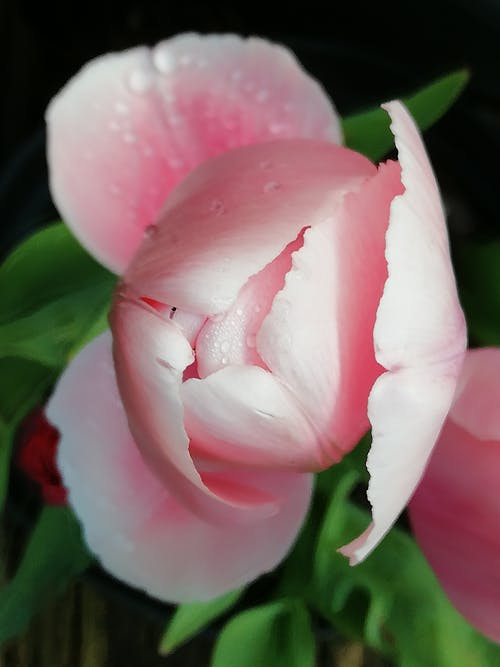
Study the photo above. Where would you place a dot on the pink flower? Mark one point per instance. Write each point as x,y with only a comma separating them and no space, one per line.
455,512
285,295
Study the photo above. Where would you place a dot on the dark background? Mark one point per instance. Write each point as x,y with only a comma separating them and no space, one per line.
362,53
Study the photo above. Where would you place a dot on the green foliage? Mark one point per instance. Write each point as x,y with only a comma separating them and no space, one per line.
55,554
368,132
478,271
53,299
22,385
189,619
274,635
391,601
52,294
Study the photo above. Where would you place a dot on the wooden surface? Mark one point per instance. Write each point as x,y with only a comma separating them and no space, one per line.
89,627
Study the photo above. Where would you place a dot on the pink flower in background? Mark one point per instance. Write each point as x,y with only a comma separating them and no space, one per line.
285,295
455,512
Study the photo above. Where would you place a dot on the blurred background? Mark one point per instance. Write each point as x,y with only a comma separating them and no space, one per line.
362,54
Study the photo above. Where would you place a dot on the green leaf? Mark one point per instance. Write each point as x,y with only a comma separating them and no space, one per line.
478,272
189,619
368,132
52,294
392,601
22,385
273,635
55,554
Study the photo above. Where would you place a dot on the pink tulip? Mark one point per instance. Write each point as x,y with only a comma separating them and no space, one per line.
455,512
281,298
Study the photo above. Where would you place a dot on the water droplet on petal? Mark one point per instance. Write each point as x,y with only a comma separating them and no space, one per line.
175,163
239,312
140,81
251,340
223,361
262,96
224,347
121,108
163,59
217,206
150,231
272,186
278,128
129,138
265,164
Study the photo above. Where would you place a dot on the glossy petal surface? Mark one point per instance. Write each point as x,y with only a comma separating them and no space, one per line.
138,530
419,338
455,511
131,125
317,337
235,214
151,355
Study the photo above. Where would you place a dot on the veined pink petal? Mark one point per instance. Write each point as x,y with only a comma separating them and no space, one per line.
139,531
244,415
235,214
317,337
419,338
151,355
131,125
455,511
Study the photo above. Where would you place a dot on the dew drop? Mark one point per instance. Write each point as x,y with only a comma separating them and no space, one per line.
223,361
129,138
262,96
272,186
251,340
163,59
140,81
217,206
150,231
277,128
175,163
121,108
224,347
239,312
265,164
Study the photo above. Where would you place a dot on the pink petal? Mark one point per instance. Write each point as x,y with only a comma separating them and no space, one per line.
317,337
131,125
235,214
455,511
230,338
419,338
138,530
477,400
151,355
243,415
